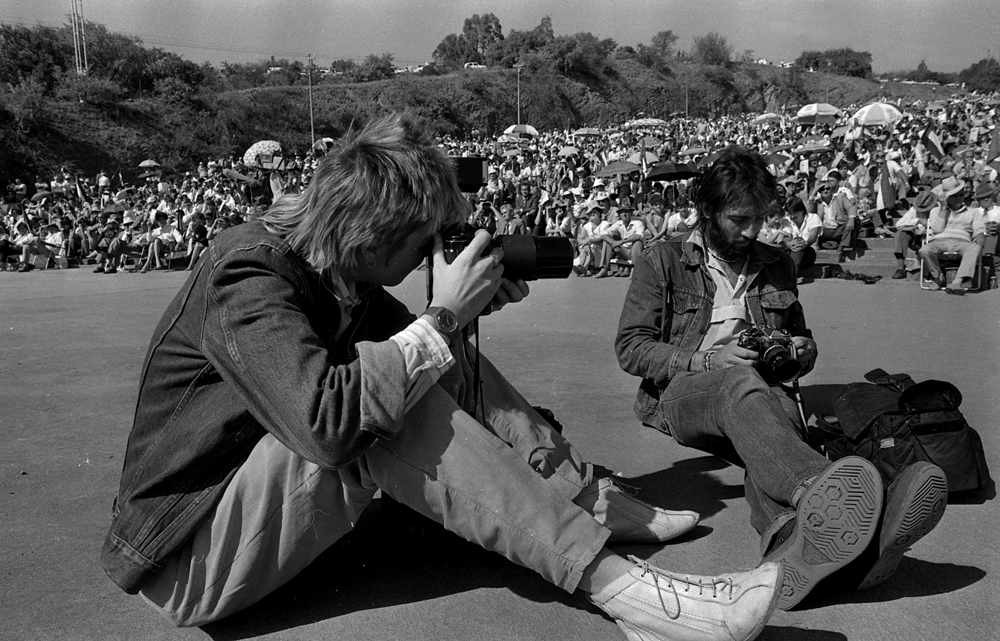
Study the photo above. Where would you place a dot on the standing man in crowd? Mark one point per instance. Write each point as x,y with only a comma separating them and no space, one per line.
689,301
285,386
956,227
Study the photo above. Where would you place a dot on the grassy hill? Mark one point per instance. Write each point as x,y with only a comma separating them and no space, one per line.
89,135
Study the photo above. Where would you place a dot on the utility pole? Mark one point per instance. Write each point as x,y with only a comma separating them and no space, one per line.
79,37
312,128
518,67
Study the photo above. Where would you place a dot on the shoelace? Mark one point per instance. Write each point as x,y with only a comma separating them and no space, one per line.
657,574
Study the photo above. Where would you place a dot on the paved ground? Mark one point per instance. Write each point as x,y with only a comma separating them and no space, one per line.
71,345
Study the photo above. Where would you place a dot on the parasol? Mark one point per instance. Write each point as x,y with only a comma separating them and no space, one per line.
521,130
877,114
252,156
146,164
667,171
617,168
817,112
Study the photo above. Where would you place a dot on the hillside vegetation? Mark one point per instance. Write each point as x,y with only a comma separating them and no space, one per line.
87,131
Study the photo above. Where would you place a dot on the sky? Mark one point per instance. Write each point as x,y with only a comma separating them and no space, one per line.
948,34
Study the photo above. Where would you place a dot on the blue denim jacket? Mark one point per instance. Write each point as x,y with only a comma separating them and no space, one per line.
668,309
247,347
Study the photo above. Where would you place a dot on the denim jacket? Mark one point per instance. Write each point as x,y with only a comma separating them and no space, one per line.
248,347
668,310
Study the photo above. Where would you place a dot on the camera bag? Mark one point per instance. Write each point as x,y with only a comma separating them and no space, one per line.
893,422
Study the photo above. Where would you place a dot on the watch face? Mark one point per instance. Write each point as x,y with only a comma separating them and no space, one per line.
447,320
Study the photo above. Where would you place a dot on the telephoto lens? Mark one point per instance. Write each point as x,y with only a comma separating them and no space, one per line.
524,257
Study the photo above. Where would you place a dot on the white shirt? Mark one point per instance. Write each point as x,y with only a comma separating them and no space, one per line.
809,223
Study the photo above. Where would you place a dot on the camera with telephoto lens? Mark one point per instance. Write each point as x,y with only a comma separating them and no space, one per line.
777,353
524,257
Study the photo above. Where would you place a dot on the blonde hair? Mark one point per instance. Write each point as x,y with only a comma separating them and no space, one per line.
373,188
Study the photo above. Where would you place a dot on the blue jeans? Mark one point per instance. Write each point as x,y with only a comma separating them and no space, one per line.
506,484
733,414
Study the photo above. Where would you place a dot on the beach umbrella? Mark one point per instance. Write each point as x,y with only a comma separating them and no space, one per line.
708,160
521,130
568,151
266,148
691,151
617,168
146,164
148,174
877,114
587,132
765,118
817,112
638,156
776,159
645,122
668,171
812,147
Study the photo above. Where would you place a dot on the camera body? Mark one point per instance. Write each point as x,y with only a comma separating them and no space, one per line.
524,257
777,353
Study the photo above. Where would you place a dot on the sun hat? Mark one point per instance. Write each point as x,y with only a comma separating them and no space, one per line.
985,190
925,201
952,185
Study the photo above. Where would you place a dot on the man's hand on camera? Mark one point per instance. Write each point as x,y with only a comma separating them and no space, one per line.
511,291
471,281
732,354
806,353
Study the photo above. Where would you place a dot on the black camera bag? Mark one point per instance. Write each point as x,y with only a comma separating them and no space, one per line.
893,422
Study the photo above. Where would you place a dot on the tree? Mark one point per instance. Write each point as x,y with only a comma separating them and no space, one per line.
843,62
712,49
481,34
663,42
452,51
375,68
982,76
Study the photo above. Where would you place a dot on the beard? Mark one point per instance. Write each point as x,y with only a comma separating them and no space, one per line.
725,249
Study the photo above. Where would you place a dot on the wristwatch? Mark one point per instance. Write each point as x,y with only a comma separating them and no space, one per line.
445,321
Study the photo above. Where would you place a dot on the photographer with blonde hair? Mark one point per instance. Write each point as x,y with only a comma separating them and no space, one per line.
284,387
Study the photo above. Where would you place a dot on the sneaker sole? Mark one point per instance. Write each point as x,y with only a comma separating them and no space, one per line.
908,518
835,521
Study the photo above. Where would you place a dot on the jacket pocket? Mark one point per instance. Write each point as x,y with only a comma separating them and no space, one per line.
683,308
776,305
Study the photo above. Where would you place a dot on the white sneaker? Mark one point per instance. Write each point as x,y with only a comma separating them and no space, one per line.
650,604
629,519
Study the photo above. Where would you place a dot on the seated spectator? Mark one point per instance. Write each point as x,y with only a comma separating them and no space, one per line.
911,229
197,238
986,197
623,240
47,243
837,207
655,221
777,229
802,245
954,228
164,239
588,242
7,249
508,222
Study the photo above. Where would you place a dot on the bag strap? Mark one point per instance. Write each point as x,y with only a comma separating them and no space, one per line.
897,382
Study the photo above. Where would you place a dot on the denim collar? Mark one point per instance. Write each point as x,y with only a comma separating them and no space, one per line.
693,252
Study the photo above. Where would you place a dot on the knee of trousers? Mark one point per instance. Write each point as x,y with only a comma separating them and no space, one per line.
741,379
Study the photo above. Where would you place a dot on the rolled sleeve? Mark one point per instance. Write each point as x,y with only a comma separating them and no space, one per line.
427,357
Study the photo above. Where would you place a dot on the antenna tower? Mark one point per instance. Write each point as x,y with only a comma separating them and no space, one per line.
79,37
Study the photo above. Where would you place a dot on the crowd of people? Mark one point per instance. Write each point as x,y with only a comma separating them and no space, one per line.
928,178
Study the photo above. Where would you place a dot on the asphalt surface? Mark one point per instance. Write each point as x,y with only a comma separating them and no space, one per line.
72,343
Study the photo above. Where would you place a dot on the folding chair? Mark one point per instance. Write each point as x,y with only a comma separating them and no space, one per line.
949,261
